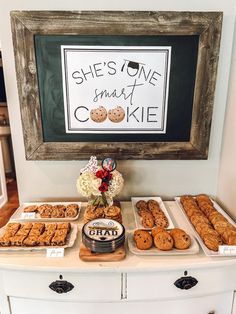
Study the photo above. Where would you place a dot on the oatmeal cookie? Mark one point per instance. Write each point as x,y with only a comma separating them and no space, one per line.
30,209
227,234
93,212
212,242
45,210
71,210
58,213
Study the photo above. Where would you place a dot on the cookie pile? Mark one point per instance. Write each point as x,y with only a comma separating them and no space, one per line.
109,212
162,239
213,228
35,234
151,214
54,211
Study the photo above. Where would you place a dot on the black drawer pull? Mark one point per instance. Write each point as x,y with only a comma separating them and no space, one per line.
186,283
61,286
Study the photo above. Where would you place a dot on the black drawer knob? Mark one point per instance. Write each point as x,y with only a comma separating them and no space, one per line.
61,286
186,283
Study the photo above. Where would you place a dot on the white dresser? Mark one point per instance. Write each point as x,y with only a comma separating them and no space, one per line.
138,284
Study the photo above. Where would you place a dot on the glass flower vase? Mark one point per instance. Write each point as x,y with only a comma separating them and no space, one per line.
100,200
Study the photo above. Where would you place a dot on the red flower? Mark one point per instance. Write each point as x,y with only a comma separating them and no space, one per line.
100,174
108,176
104,175
103,187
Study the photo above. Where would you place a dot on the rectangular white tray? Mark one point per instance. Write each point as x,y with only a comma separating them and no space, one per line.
193,249
17,214
134,200
69,242
205,249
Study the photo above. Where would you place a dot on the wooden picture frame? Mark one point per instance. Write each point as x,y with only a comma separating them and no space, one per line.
27,24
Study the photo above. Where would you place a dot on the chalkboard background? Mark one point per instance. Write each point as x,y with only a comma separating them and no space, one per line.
181,86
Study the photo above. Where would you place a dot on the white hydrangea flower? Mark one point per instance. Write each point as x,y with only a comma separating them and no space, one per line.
116,184
88,184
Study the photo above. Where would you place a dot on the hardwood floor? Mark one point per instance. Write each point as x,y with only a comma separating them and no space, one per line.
13,202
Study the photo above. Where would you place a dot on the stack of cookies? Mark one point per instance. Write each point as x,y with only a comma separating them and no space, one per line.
109,212
93,212
113,212
151,214
54,211
162,239
35,234
213,228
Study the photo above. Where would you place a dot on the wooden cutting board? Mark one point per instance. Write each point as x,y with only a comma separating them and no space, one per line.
86,255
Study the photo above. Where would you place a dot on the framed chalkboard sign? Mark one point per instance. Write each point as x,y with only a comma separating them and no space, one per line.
134,85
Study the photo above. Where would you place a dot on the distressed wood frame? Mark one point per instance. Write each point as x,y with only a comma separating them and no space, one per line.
26,24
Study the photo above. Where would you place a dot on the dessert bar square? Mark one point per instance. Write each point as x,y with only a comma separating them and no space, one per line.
35,232
22,231
58,240
61,232
27,226
17,240
51,227
5,240
38,225
13,226
64,225
45,239
31,241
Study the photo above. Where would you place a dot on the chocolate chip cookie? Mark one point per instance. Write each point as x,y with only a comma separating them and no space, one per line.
116,115
98,114
143,240
163,241
182,240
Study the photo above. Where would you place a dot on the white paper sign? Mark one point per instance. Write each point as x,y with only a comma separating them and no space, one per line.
227,250
55,252
115,89
28,215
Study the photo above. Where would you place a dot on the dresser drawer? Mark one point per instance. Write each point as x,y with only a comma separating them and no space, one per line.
86,287
161,285
218,304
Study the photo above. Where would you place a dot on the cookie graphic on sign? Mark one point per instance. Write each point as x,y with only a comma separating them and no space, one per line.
98,114
116,115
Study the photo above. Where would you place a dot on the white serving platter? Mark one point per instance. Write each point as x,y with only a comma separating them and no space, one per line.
204,247
138,222
18,214
153,251
70,240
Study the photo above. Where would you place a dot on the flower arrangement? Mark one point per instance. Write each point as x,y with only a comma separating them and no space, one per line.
100,183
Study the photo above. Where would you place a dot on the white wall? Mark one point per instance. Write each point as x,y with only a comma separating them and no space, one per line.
226,191
53,180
